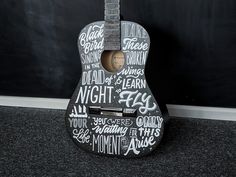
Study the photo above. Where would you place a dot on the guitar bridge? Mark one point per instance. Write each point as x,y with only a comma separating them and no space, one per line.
111,111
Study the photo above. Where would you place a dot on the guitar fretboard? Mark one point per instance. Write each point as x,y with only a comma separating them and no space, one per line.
112,25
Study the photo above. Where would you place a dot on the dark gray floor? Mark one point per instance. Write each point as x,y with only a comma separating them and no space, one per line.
34,142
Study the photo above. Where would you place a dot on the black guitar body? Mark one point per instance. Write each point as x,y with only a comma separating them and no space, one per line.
114,113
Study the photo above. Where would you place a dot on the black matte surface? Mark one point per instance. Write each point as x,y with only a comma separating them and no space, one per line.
34,142
192,56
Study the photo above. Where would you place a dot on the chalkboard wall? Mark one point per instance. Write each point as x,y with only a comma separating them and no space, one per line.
192,59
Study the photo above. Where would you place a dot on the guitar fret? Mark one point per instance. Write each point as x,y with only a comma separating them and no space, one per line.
112,18
115,26
112,1
112,6
112,11
112,36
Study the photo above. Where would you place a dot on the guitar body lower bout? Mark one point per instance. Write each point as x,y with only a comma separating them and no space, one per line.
114,113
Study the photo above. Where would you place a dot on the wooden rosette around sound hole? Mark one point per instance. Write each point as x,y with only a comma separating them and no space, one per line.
113,61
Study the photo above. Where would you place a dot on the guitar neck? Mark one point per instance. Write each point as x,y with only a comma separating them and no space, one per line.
112,25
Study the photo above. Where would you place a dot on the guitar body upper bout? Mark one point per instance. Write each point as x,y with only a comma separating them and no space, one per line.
112,111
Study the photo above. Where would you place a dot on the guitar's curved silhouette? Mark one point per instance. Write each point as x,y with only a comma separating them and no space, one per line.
112,110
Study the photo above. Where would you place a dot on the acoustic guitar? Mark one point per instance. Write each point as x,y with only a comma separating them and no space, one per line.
112,111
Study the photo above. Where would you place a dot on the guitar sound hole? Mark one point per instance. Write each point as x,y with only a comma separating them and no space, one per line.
113,61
